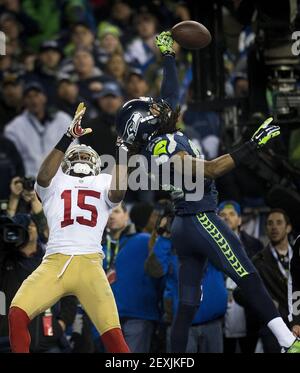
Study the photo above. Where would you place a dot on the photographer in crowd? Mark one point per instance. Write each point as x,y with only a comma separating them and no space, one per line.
137,294
205,334
24,199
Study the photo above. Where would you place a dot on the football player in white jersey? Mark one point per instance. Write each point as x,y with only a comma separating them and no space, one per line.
77,200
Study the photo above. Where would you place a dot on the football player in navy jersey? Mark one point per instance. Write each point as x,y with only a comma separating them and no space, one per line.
148,126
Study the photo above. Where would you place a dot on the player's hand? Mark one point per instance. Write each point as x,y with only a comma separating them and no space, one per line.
265,133
122,152
75,130
120,144
164,43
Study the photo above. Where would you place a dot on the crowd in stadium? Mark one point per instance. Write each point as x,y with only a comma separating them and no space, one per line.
63,52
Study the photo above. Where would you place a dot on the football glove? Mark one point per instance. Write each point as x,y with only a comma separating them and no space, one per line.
75,130
265,133
164,43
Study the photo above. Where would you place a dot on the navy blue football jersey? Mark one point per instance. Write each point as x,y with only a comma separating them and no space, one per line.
161,149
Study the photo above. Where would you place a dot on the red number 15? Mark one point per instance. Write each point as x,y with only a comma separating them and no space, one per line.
67,195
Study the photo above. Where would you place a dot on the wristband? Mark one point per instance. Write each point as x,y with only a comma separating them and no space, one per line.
64,143
244,152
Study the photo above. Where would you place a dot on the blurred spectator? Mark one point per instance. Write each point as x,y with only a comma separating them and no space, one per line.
122,16
136,293
117,68
6,63
26,25
11,98
36,123
47,15
16,264
108,101
54,16
24,199
11,164
230,211
240,330
88,77
47,67
240,85
136,85
68,95
141,52
207,125
12,29
81,37
205,334
144,217
273,265
109,43
28,60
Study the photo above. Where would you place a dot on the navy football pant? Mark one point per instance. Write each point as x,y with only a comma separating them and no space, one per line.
202,237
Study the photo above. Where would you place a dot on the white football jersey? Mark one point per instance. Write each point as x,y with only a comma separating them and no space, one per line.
77,211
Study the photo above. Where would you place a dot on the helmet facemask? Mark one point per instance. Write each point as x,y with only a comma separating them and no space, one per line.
159,114
81,160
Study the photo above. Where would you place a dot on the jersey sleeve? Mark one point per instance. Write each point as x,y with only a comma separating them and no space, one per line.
45,193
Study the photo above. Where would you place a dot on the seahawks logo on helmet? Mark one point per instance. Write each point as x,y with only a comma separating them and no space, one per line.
131,127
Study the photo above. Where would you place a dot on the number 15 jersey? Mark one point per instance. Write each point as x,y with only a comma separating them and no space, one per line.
77,211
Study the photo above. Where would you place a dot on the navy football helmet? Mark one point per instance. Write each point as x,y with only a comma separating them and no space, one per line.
140,118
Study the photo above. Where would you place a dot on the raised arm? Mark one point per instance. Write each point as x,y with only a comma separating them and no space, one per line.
221,165
53,160
118,185
170,86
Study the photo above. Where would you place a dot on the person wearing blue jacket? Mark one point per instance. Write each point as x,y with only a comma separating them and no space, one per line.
205,334
137,294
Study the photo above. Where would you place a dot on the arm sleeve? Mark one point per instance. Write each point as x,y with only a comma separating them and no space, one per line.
170,87
45,193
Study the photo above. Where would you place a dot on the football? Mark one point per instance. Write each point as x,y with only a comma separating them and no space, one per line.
191,35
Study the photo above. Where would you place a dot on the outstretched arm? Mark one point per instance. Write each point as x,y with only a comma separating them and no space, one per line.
170,86
118,185
212,169
221,165
53,161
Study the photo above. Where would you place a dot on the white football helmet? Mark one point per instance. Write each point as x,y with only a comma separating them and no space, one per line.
81,159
